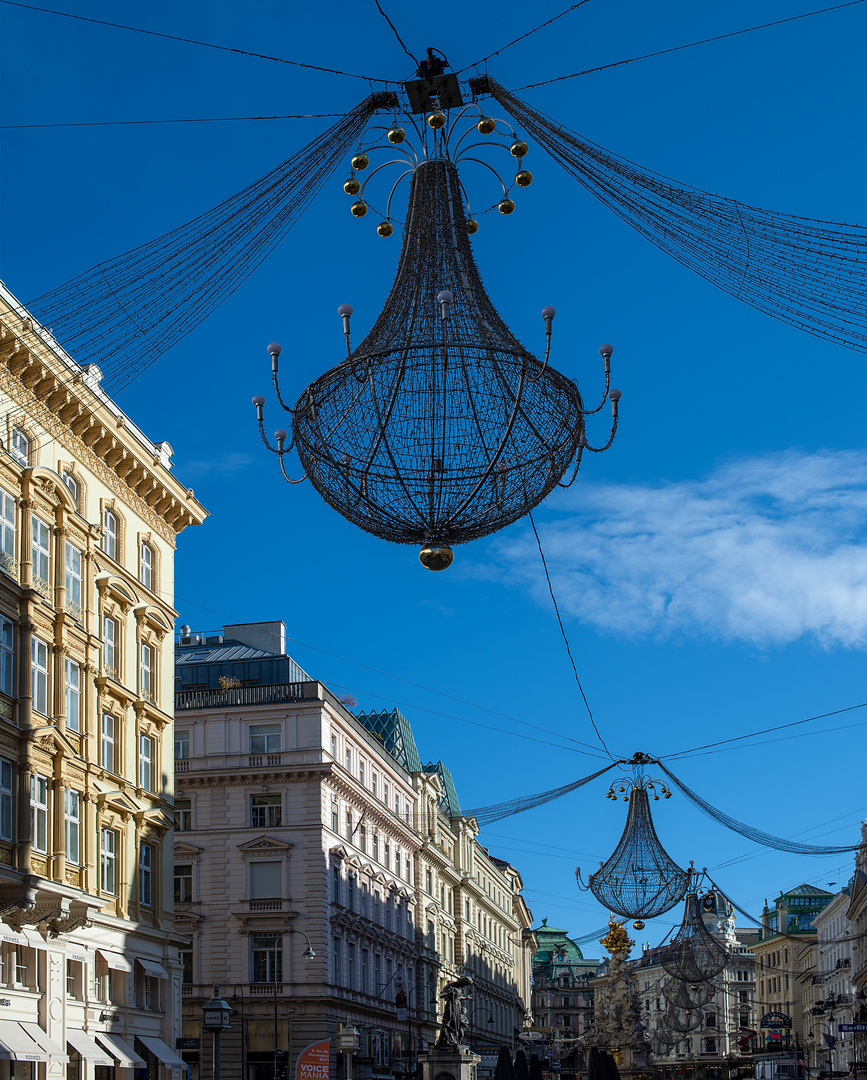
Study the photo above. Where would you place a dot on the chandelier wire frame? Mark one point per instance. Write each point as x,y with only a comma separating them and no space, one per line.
693,955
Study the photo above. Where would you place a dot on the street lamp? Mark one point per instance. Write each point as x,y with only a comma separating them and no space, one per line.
215,1018
308,954
235,991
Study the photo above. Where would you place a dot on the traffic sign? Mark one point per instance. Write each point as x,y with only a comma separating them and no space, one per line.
555,1065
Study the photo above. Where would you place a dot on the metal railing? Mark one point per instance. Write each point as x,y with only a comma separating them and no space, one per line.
268,694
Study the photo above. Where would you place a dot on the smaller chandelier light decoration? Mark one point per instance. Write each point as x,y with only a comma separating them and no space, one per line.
440,427
639,880
694,955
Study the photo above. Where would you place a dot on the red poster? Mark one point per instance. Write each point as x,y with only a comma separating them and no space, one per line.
314,1062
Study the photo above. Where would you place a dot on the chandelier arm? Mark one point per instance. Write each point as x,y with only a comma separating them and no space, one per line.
533,378
286,475
467,108
467,197
395,149
286,407
418,132
602,449
578,454
499,449
264,437
472,146
493,170
590,412
379,168
469,131
394,188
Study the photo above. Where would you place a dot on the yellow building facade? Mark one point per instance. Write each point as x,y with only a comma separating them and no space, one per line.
89,516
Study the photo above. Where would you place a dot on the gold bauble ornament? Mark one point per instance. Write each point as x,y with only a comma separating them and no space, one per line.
436,555
359,209
487,125
523,178
360,161
505,206
396,135
385,228
352,186
472,226
518,148
638,924
436,120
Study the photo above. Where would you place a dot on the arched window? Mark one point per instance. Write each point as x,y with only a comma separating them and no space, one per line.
146,565
20,446
110,533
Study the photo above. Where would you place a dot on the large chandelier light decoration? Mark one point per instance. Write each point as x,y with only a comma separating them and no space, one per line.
639,880
440,427
694,955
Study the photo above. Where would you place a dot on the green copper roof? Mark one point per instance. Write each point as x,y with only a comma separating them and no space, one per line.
393,730
449,802
556,948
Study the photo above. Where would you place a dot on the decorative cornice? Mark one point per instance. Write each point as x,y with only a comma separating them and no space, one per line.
249,777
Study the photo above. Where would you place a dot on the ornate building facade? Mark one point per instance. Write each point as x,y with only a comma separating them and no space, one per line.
89,516
303,828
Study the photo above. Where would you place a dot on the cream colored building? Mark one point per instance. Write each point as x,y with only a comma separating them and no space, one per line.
302,827
89,516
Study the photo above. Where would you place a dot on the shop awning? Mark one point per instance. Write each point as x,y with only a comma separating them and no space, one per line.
115,961
88,1049
34,939
78,957
54,1051
161,1051
15,936
126,1057
151,967
16,1044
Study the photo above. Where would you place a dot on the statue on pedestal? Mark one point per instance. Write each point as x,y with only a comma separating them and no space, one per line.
454,1023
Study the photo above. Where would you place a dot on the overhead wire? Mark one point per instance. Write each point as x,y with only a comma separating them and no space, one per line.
194,41
529,33
565,638
396,34
689,45
763,731
181,120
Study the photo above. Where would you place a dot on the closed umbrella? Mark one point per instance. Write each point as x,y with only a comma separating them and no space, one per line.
521,1069
535,1067
505,1070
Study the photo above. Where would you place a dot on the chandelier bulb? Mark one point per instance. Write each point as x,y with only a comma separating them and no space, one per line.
259,403
548,314
445,298
274,349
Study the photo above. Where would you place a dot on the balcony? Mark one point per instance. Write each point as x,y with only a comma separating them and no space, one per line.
270,694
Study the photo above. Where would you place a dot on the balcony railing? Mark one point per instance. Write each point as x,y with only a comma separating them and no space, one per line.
269,694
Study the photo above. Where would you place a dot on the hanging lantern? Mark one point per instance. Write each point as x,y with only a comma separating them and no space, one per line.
440,427
681,1020
688,996
639,880
694,954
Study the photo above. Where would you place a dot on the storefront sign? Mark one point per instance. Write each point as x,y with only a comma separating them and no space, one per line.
314,1062
183,1043
776,1020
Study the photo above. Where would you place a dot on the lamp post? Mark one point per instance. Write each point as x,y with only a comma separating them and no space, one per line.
238,987
215,1018
308,954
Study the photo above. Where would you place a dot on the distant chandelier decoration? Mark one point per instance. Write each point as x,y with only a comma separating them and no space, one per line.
440,427
639,880
694,955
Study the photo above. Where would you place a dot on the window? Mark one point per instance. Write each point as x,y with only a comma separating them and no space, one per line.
145,875
109,646
335,818
266,880
348,824
337,971
362,838
361,772
73,582
146,671
183,883
182,745
428,883
351,951
72,693
108,860
265,739
335,884
267,958
107,743
710,1020
364,963
73,486
183,815
75,979
186,958
39,675
373,782
5,799
110,531
72,821
41,555
7,655
744,996
266,811
334,746
39,813
376,846
146,566
8,519
349,761
20,448
385,792
145,762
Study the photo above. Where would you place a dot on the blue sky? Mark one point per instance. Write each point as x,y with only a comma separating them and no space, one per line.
711,567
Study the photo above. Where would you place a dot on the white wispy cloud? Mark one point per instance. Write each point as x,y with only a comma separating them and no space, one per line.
764,550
